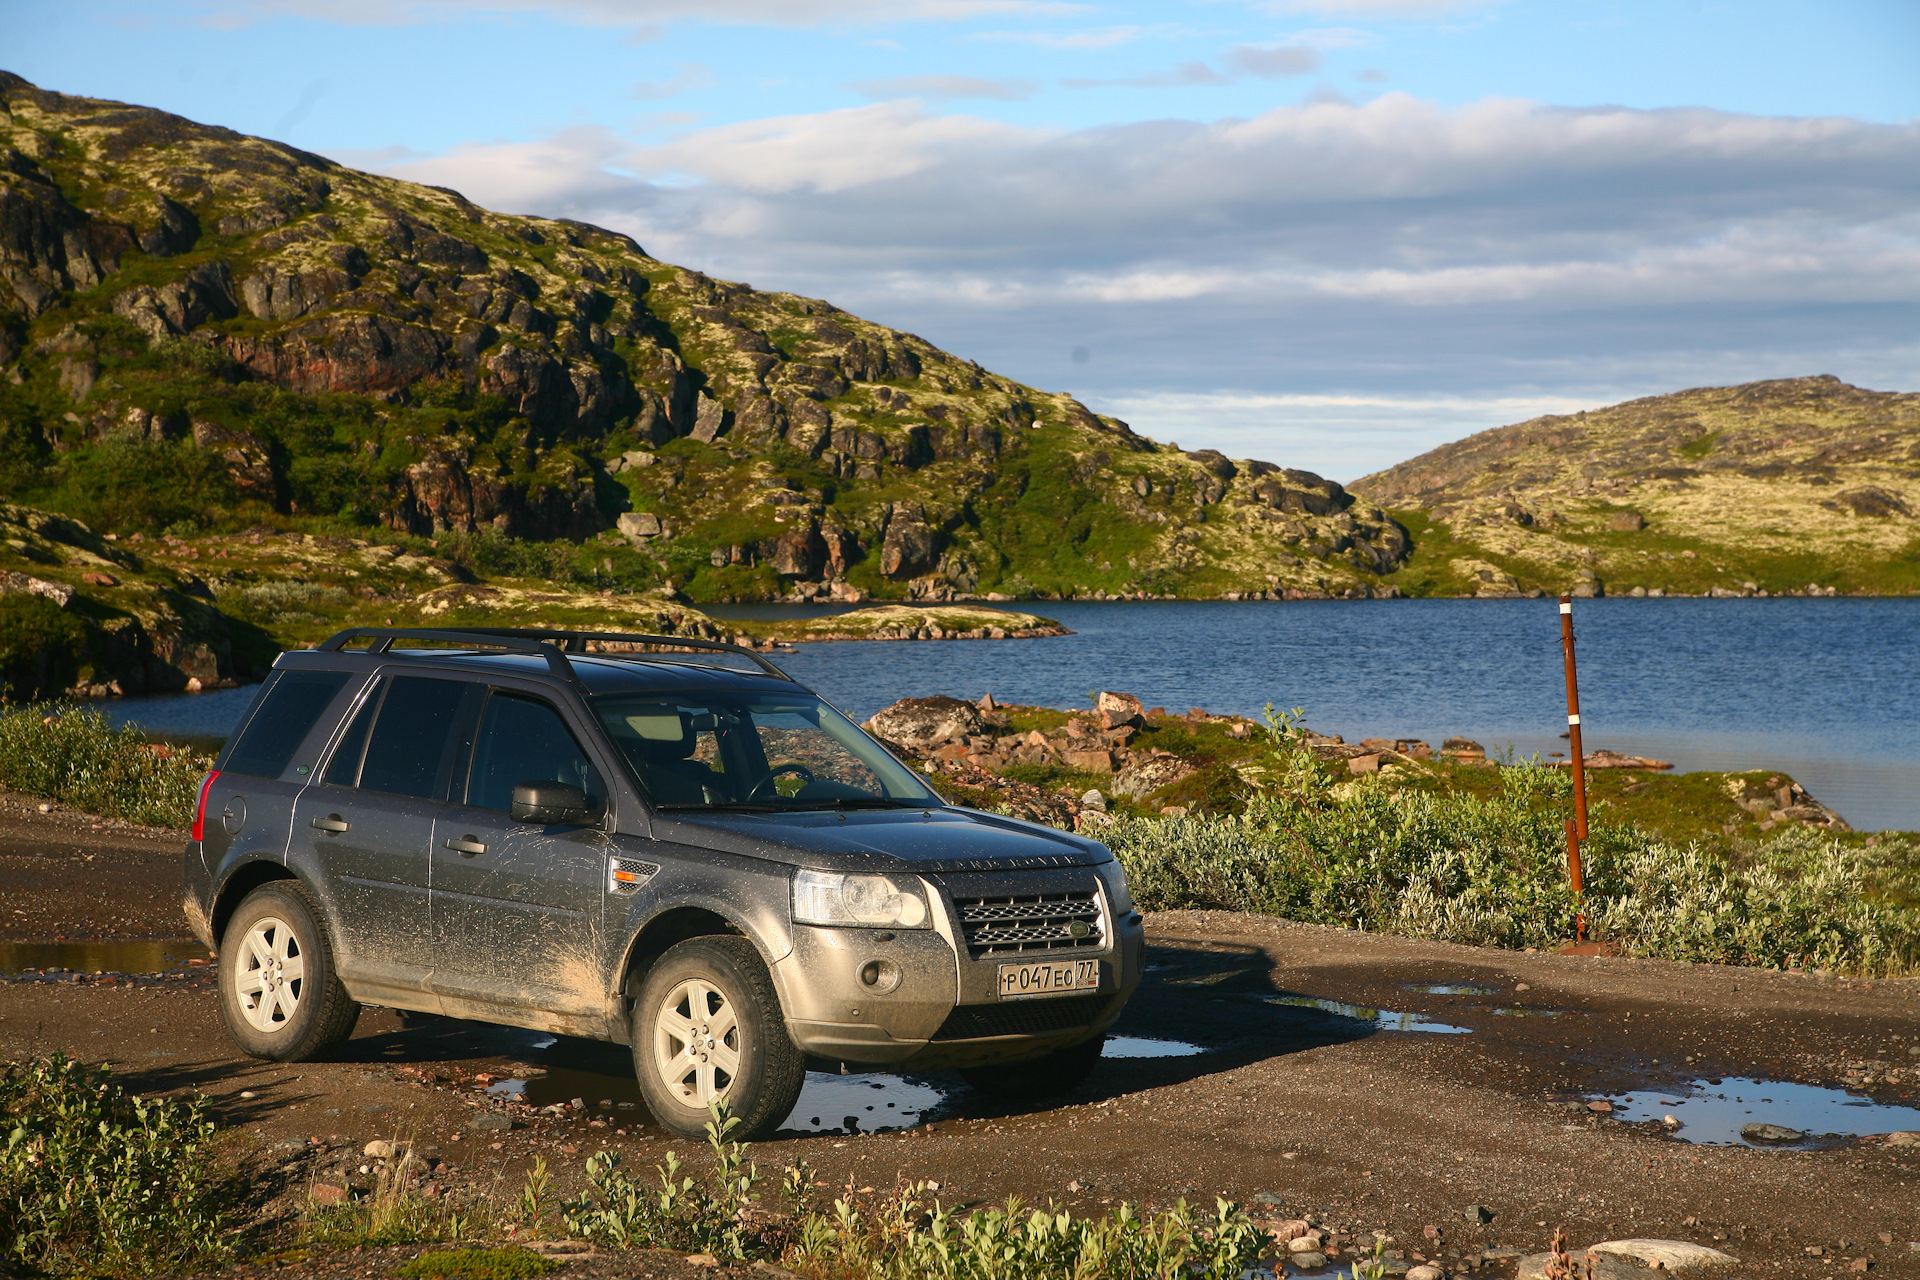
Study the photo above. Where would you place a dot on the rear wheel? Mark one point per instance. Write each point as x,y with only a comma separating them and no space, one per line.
708,1028
1045,1077
278,992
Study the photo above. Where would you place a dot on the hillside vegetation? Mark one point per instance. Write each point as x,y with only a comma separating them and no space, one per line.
202,332
1795,486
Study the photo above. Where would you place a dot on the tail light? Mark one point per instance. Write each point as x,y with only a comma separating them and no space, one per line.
199,831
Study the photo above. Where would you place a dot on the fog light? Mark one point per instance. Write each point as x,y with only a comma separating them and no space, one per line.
880,976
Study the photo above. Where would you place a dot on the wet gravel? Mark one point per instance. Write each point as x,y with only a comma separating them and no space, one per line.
1303,1114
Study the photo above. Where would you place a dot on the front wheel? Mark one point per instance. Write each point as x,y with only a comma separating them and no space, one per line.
707,1028
1044,1077
279,995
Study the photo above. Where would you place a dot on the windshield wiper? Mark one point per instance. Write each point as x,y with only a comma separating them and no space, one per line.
725,806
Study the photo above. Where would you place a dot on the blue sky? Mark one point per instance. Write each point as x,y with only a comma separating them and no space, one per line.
1329,232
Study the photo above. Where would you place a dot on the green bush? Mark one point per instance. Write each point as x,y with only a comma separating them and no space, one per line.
95,1181
1492,871
73,755
41,648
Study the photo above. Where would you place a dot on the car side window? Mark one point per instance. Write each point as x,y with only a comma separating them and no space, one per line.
408,732
289,707
523,739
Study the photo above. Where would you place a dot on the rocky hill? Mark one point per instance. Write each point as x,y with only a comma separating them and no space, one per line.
203,332
1799,485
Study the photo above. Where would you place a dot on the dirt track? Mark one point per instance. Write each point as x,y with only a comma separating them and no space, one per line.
1289,1111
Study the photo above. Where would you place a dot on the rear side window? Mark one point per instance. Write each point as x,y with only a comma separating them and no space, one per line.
409,749
524,740
288,710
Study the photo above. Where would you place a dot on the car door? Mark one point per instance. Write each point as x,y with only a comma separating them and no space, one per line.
369,825
516,905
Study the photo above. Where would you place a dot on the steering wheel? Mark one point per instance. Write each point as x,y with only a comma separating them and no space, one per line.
794,767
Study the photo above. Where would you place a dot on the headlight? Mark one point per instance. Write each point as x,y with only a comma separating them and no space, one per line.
862,901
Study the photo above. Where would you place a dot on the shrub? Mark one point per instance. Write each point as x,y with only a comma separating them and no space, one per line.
1492,871
73,755
41,647
94,1180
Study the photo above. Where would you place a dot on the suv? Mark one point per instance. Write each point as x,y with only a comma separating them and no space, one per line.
584,834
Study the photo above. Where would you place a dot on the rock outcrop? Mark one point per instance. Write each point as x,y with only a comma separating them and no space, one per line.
441,369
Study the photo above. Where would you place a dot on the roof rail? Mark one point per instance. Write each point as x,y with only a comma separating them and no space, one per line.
382,639
576,642
552,644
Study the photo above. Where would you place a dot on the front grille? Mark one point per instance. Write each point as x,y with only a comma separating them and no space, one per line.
1030,922
1021,1017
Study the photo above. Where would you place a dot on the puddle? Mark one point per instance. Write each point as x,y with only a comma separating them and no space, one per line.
1447,989
55,958
1713,1114
828,1103
1139,1047
1384,1019
1518,1011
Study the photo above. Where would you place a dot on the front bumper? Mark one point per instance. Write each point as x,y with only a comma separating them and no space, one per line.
945,1010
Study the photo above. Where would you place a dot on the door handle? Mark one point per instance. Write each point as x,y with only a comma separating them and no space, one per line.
331,823
467,845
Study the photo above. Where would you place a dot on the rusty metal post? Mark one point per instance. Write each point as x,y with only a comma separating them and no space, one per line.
1576,825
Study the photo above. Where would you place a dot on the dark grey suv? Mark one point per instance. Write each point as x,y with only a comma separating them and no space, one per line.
599,836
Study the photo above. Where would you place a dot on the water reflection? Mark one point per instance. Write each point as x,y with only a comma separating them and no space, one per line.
1384,1019
1714,1113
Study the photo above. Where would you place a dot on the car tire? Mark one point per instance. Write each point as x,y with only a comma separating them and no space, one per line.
1046,1077
279,994
707,1025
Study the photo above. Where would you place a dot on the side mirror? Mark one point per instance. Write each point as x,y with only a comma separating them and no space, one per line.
551,804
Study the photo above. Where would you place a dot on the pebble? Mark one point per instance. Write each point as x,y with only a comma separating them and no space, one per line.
1307,1242
1903,1138
1425,1271
1603,1107
491,1120
1308,1260
1479,1213
1770,1133
1290,1230
328,1193
379,1149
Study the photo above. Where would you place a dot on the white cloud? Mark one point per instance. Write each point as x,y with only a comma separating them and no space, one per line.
1186,75
937,88
1375,8
638,13
691,76
1092,38
1269,62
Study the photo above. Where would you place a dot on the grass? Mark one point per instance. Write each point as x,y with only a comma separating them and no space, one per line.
510,1263
95,1181
72,755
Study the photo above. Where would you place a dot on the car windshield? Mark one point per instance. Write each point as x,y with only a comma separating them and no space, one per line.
754,751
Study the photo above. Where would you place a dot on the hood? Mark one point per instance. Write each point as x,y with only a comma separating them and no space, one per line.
927,840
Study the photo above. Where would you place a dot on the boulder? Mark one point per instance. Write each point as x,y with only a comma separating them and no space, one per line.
1144,774
1770,1134
1666,1255
1117,709
1089,761
920,726
640,524
1626,522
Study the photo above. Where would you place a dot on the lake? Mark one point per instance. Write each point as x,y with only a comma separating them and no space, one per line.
1825,690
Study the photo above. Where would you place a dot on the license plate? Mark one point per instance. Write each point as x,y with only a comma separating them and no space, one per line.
1049,978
